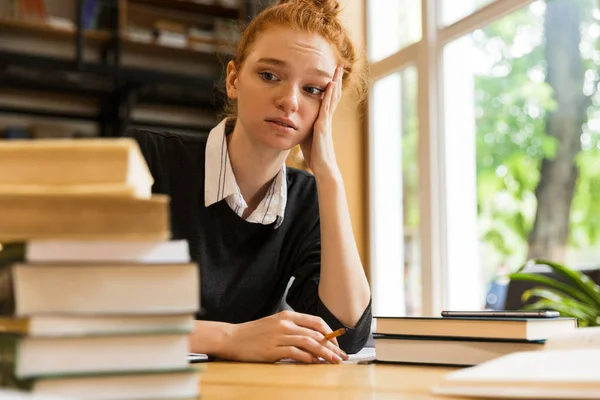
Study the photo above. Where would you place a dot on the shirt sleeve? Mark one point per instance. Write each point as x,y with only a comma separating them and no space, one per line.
303,295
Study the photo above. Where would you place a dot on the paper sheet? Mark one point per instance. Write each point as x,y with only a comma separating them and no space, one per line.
366,355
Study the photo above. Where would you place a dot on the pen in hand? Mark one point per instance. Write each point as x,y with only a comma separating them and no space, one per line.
336,333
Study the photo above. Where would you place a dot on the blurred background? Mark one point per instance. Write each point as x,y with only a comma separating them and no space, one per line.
74,68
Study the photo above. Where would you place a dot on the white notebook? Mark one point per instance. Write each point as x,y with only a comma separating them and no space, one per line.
566,368
366,355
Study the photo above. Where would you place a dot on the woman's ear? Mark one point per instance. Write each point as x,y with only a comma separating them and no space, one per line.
232,80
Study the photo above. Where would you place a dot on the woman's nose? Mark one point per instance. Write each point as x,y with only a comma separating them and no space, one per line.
287,99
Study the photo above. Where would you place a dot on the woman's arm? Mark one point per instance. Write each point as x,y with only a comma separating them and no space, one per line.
343,287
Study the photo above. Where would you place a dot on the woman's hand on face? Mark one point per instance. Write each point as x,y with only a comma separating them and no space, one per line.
318,148
286,334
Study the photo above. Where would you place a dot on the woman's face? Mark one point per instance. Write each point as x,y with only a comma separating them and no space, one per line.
280,86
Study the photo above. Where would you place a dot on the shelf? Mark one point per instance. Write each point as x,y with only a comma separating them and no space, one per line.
99,37
159,49
33,28
35,112
192,7
123,74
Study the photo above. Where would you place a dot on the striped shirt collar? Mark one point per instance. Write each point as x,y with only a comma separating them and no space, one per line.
220,183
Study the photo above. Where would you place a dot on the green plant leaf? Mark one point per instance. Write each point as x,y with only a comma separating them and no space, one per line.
525,276
564,311
558,297
579,280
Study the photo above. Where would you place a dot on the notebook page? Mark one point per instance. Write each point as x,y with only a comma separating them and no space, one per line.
197,357
546,366
367,354
580,338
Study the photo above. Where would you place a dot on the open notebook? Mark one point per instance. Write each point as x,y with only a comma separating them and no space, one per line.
367,354
567,368
197,357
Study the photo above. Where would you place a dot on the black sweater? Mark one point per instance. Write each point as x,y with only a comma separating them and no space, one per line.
244,267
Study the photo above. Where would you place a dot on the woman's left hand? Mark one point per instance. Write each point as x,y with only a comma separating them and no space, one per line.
318,148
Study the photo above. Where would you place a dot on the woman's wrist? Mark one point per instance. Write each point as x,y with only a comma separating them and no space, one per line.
328,176
210,337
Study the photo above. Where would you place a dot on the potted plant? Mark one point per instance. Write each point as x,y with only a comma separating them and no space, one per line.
579,297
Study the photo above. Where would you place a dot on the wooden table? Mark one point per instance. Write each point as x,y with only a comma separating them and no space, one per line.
224,380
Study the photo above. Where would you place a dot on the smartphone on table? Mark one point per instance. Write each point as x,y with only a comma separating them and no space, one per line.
502,314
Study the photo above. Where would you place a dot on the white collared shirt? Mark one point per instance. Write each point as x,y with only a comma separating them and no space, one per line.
220,183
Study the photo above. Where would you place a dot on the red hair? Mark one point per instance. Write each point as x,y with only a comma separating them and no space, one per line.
312,16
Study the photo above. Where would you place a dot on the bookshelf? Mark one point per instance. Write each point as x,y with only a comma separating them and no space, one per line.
99,59
33,28
214,10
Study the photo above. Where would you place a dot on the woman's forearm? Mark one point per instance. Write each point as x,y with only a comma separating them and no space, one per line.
208,337
343,287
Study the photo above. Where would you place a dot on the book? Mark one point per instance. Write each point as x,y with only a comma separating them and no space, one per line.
11,133
25,217
81,325
28,357
14,394
492,328
567,368
447,351
106,289
170,384
85,166
78,251
90,9
32,10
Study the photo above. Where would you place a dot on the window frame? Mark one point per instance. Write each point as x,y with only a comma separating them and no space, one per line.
427,55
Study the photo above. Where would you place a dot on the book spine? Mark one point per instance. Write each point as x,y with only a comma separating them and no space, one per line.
8,359
7,300
10,253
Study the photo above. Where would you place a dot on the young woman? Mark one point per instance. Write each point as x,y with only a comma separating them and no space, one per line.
252,224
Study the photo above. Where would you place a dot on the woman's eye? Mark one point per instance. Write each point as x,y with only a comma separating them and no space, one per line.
268,76
313,90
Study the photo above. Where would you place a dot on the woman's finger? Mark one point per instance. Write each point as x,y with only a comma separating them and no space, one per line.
315,335
296,354
334,81
312,322
319,338
326,102
317,349
340,86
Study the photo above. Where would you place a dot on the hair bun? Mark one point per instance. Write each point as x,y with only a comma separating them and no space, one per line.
327,7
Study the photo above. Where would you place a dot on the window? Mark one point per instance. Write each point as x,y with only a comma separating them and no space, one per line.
525,105
455,10
394,195
392,25
508,157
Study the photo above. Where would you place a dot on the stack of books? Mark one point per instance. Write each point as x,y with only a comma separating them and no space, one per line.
461,341
99,303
